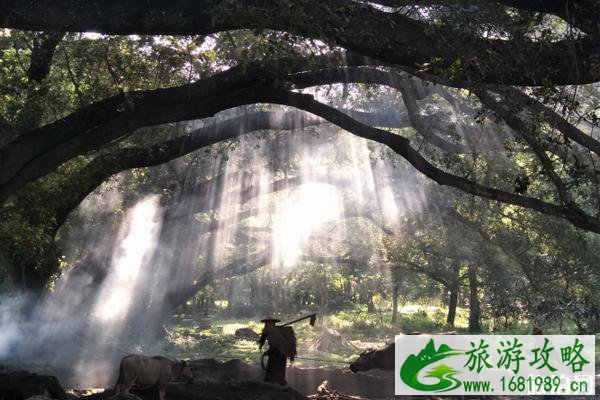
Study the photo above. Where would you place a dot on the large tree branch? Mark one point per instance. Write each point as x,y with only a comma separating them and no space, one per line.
529,134
80,184
113,162
44,45
402,147
240,267
521,100
40,151
583,14
389,37
421,123
21,164
499,244
508,103
423,270
167,105
394,80
516,99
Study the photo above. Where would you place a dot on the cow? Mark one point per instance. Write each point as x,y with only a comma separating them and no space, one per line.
381,359
151,371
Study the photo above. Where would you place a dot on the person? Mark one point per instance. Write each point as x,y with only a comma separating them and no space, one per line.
282,345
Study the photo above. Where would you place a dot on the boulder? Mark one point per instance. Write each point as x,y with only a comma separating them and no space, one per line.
124,396
39,397
304,380
246,333
204,323
324,394
229,371
245,390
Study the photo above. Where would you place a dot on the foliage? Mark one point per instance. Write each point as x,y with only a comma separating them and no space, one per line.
530,148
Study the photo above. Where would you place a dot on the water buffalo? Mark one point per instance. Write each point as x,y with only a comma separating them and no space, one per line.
156,371
25,384
375,359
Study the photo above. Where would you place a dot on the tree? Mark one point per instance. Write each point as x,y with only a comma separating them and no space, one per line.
59,154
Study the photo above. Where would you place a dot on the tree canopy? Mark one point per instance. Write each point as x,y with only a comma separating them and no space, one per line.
501,96
342,155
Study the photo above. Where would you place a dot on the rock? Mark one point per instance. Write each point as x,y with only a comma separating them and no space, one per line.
376,386
21,385
212,376
105,395
230,371
110,394
124,396
246,390
246,333
204,323
324,394
38,397
304,380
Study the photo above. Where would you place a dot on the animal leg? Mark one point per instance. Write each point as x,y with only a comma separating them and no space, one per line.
161,393
123,386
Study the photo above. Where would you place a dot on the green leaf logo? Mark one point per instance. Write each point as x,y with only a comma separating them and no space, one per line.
412,366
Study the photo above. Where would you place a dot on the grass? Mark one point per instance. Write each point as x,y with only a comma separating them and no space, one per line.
360,328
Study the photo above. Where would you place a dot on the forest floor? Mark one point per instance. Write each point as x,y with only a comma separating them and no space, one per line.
187,339
362,330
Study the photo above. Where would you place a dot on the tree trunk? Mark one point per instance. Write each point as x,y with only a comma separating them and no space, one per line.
228,309
453,300
253,283
474,312
452,304
370,304
395,290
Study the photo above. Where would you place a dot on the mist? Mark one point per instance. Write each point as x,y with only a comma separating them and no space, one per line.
264,206
128,262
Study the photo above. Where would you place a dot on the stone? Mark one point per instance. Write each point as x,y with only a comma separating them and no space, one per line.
246,333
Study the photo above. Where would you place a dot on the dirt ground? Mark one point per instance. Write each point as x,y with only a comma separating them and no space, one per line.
236,380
